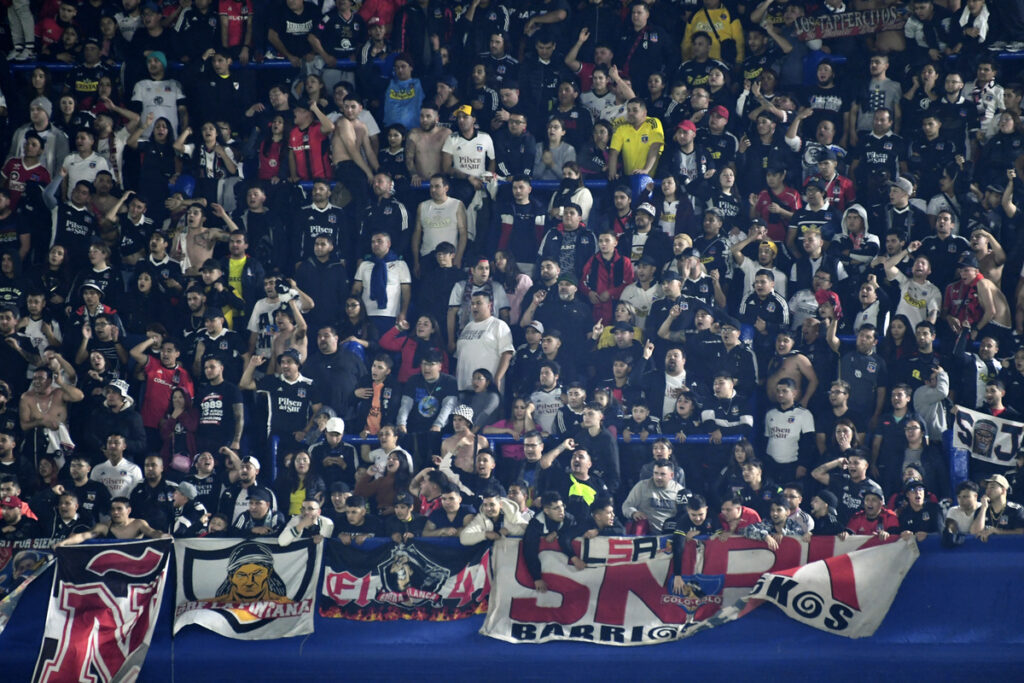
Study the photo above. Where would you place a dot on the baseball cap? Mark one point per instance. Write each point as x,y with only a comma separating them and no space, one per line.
827,154
260,493
721,111
622,326
670,275
648,260
403,499
912,484
873,489
90,284
689,252
1001,480
335,424
903,184
728,321
465,109
816,183
687,124
453,82
188,490
536,325
10,502
647,207
213,312
251,461
967,260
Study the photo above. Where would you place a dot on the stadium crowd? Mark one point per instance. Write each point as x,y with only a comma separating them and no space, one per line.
540,268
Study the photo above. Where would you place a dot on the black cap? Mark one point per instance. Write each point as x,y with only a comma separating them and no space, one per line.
213,312
828,497
260,493
728,320
403,499
622,326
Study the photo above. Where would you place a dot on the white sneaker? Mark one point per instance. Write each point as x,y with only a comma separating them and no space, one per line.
27,55
15,54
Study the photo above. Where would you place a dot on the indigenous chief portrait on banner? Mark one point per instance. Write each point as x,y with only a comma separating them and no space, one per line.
251,590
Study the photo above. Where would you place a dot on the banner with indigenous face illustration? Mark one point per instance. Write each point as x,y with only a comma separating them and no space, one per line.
851,23
627,595
250,590
987,437
423,580
20,563
103,609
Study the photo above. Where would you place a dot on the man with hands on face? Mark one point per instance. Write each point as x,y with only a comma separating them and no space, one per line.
499,518
307,524
997,516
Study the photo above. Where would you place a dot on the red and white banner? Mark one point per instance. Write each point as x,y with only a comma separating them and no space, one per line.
623,595
847,595
103,609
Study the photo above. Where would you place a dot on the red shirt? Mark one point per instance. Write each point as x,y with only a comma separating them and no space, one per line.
860,525
160,381
789,199
961,301
310,147
237,13
747,517
18,177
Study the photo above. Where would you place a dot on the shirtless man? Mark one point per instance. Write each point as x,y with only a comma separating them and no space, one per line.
794,365
200,240
460,444
122,526
351,153
990,254
44,406
291,334
989,315
423,148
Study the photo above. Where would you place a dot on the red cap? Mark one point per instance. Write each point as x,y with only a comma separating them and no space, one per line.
687,124
373,21
721,111
823,295
10,502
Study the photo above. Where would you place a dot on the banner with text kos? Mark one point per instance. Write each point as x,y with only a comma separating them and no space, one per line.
987,437
249,590
846,594
621,598
423,581
103,609
851,23
20,563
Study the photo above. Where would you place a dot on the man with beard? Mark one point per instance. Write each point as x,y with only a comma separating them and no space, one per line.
153,498
567,313
423,146
335,372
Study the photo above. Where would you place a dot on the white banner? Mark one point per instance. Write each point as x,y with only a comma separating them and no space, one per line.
621,597
987,438
848,595
250,590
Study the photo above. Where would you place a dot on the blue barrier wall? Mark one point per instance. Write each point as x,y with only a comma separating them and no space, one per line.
957,616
